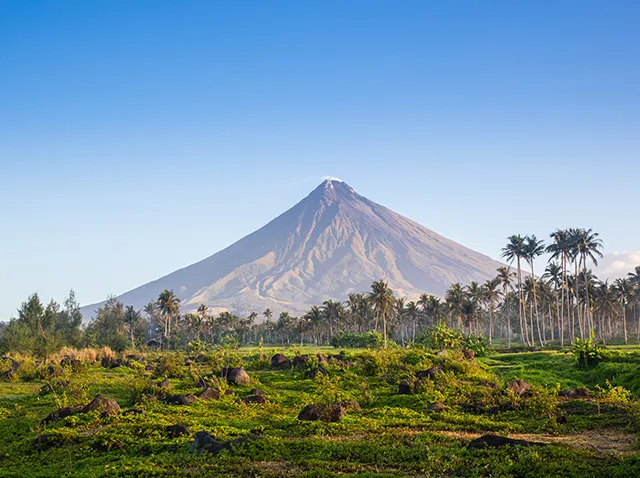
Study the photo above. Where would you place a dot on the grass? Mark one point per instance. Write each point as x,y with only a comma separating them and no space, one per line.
391,435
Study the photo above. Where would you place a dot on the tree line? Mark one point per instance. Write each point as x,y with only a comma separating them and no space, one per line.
566,301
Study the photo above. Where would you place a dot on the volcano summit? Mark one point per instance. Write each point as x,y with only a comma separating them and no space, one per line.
331,243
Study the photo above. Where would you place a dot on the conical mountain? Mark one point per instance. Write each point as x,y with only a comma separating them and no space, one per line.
331,243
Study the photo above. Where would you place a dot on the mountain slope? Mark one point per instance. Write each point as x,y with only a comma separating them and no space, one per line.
329,244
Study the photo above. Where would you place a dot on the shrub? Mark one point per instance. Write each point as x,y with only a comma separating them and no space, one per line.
587,352
371,339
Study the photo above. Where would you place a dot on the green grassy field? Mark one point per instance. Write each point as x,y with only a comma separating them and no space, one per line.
390,435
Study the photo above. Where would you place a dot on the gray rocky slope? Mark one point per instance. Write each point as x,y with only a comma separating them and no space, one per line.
331,243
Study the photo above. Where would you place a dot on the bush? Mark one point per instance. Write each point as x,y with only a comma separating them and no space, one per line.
441,337
587,352
371,339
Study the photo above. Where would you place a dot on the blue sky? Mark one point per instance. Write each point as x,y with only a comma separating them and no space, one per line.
139,137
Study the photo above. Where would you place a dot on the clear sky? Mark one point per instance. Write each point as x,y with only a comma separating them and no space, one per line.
137,137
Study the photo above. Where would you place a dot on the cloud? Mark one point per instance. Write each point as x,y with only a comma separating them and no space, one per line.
331,178
617,264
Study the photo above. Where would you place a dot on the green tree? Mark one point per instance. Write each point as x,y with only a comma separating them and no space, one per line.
169,306
381,297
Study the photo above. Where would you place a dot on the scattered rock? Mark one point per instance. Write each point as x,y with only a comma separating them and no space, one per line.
209,394
469,354
495,441
430,373
322,359
350,405
300,361
254,399
237,376
437,407
62,413
404,388
105,405
519,387
562,419
257,391
582,392
228,391
175,431
205,442
134,411
280,361
180,399
166,383
314,372
325,413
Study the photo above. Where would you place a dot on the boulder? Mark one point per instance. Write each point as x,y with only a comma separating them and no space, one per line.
519,387
314,372
430,373
257,391
175,431
300,361
209,394
496,441
180,399
350,405
236,376
404,388
325,413
582,392
62,413
105,405
437,407
166,383
254,399
468,354
280,361
134,411
203,442
228,392
322,359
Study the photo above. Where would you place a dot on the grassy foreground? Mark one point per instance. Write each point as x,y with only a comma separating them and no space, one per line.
390,435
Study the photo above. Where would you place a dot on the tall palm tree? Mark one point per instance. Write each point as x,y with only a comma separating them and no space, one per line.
559,250
554,274
624,291
333,311
589,247
315,318
505,276
131,319
413,313
514,251
492,296
476,295
455,299
382,299
532,249
574,256
169,306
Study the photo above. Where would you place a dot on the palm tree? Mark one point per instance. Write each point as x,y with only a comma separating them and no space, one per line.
554,274
505,276
514,251
492,295
169,305
414,315
382,299
532,249
624,291
560,249
333,311
589,247
315,318
476,295
455,299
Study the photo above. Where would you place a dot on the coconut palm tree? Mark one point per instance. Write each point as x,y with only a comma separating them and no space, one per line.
333,311
315,318
131,318
589,248
413,313
559,250
455,299
515,251
533,248
381,297
169,306
492,296
505,276
624,292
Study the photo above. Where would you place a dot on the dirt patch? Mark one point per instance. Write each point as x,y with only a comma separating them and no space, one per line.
603,441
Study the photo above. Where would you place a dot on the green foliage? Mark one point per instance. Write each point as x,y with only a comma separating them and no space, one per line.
587,352
441,337
476,343
371,339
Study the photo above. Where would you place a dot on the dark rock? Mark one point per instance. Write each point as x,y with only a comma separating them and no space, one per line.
350,405
437,407
175,431
204,442
201,359
209,394
106,362
280,361
519,387
314,372
582,392
166,383
257,391
404,388
228,391
254,399
105,405
468,354
322,359
300,361
149,368
62,413
154,344
134,411
495,441
236,376
430,373
188,362
180,399
325,413
562,419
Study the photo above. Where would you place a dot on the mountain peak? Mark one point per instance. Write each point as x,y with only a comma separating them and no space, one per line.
333,189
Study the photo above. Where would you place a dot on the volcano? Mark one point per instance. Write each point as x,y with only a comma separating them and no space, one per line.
331,243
